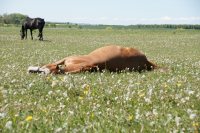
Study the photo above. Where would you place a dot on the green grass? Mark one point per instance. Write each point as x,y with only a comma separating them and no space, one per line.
100,102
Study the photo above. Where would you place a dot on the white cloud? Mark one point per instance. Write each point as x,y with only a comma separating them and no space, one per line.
166,18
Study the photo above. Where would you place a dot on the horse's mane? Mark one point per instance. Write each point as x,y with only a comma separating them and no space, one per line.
28,18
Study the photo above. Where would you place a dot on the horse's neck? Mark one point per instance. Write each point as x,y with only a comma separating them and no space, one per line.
29,19
22,29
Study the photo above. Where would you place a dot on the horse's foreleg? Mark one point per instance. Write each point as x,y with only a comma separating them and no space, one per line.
76,68
31,34
26,33
41,36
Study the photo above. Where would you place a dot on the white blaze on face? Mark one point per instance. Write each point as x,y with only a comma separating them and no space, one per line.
45,70
33,69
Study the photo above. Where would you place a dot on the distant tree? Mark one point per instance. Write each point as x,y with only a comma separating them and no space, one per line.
109,28
14,18
1,19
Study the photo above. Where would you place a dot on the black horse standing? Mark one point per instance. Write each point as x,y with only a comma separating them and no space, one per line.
32,23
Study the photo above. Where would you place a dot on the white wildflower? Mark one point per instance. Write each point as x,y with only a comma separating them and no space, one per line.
58,91
147,114
62,105
150,92
30,85
65,125
190,92
84,86
13,81
155,112
174,131
187,98
192,116
177,96
98,105
137,114
2,115
50,92
169,118
4,92
143,76
58,130
191,113
116,98
147,99
65,94
152,123
177,120
8,125
54,83
183,100
71,112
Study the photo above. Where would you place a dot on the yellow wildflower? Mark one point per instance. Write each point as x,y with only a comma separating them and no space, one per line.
86,89
92,115
43,110
178,84
165,85
196,127
141,95
48,77
137,83
29,118
195,124
81,98
130,117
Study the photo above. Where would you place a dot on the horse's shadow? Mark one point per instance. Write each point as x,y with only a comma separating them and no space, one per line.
46,40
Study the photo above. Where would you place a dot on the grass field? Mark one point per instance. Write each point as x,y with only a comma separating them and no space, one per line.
100,102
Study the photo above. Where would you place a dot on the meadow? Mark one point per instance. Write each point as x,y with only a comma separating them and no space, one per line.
100,102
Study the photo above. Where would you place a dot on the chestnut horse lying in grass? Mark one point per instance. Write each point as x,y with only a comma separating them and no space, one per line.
112,58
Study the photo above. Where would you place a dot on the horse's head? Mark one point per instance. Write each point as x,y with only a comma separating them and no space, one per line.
22,34
51,68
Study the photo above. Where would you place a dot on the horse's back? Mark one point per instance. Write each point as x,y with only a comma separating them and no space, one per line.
114,51
116,58
34,23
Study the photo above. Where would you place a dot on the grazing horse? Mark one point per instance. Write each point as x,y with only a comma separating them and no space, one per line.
32,24
112,58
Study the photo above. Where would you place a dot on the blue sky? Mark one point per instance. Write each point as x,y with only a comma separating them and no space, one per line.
123,12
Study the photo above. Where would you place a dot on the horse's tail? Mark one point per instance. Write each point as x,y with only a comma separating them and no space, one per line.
41,22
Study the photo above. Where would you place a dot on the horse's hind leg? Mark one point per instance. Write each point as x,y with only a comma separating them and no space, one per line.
40,35
31,34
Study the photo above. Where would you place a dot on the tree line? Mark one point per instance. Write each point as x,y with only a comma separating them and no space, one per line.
14,18
17,19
